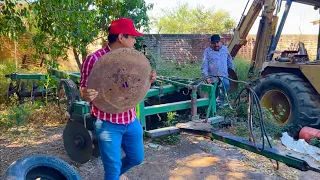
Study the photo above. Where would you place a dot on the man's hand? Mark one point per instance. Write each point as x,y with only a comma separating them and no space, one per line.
153,76
208,81
88,94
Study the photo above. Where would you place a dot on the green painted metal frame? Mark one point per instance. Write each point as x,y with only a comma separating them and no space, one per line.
17,76
290,158
172,85
58,74
54,73
74,76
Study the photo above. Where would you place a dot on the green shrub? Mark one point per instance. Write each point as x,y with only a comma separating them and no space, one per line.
172,139
183,71
6,67
17,115
315,142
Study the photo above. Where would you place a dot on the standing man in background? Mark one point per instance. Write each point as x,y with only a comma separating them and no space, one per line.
216,60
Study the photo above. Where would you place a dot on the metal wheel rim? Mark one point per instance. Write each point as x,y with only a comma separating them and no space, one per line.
272,99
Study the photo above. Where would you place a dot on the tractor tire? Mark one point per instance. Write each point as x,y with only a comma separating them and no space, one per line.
40,167
297,97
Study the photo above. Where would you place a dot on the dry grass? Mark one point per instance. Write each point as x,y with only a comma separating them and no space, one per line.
46,115
41,119
19,122
267,167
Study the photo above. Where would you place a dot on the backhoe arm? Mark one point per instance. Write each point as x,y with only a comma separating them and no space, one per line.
241,32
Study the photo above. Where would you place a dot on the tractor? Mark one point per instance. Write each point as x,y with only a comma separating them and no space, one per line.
286,81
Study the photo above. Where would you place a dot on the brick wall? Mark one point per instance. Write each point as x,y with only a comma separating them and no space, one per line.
176,47
291,41
189,47
180,47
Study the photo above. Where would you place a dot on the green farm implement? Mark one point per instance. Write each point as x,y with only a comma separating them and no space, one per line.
193,100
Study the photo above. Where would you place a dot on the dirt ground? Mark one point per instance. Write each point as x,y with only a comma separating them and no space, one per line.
193,158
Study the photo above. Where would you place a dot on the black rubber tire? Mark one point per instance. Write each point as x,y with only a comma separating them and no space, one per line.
40,166
305,110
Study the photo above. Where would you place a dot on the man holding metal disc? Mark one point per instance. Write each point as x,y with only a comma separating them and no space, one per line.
115,130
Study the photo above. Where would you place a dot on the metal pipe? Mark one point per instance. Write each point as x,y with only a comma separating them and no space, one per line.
194,106
283,20
175,106
173,82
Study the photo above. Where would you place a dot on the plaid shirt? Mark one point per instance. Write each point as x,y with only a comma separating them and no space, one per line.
87,65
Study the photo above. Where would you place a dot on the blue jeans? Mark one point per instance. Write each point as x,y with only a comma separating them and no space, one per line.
222,90
111,137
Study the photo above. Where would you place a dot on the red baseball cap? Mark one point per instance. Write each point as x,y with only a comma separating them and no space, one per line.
124,26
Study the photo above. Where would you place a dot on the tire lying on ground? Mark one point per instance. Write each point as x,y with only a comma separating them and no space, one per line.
296,96
34,167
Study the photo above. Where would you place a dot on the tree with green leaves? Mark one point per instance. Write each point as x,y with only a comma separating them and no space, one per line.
57,26
199,20
12,23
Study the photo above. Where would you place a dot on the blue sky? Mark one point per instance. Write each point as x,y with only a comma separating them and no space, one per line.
298,21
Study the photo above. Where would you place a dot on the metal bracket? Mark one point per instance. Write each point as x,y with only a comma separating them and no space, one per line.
85,119
160,93
194,108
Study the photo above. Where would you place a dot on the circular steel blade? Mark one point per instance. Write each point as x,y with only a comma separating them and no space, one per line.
122,79
77,142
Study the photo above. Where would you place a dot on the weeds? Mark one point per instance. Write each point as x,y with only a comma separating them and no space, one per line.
172,139
5,68
17,116
29,114
172,119
315,142
274,130
185,71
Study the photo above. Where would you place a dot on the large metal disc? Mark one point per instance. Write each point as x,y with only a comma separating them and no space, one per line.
121,78
77,142
233,85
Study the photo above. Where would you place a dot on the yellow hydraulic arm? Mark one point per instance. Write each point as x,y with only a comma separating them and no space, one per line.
265,33
242,30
